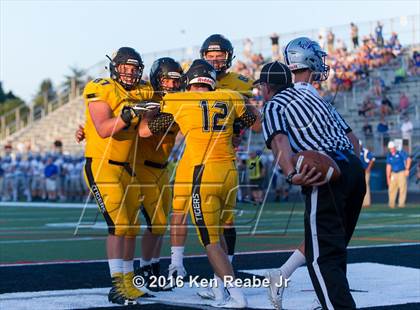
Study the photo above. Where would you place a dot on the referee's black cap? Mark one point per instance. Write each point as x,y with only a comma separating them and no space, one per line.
275,73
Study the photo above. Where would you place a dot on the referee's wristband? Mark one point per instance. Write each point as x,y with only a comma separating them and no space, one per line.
290,176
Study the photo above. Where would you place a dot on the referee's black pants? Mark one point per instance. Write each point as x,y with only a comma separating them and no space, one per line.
331,214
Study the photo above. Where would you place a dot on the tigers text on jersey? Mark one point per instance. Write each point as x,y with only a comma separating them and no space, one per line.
206,120
237,82
107,90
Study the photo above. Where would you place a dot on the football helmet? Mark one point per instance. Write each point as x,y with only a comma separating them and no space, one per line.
304,53
165,67
126,56
219,43
200,72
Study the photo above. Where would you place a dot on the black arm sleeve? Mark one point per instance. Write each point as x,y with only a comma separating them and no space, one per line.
160,123
246,120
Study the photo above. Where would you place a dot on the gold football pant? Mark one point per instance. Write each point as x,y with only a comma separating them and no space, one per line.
117,194
208,192
157,193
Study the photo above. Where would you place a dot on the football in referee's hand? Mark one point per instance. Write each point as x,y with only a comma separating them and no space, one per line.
322,163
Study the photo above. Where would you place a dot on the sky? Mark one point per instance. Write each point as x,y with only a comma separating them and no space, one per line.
42,39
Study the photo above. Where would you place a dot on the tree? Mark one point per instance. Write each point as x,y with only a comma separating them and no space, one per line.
2,93
8,101
76,75
11,104
46,93
4,96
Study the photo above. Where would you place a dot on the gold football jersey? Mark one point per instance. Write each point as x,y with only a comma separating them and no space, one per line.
206,120
118,146
237,82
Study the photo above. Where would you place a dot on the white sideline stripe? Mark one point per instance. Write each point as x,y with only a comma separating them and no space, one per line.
53,205
51,240
201,255
315,246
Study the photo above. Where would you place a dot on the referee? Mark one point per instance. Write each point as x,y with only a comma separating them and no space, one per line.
296,118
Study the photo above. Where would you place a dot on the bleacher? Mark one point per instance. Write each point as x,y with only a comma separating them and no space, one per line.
59,124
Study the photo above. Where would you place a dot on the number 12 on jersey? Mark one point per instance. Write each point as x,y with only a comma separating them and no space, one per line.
218,116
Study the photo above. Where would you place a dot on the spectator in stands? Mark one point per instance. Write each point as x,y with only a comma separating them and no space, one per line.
383,127
368,108
386,106
248,47
354,35
400,75
414,64
321,41
418,173
275,46
407,131
367,159
378,87
404,103
367,129
416,60
341,46
330,42
397,171
379,36
51,176
394,41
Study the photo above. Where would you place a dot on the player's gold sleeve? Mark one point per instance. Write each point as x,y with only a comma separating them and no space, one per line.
238,103
97,90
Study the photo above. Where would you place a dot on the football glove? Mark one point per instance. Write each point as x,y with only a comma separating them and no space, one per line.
127,114
135,110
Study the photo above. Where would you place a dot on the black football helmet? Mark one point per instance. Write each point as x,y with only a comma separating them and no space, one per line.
217,42
165,67
200,72
126,56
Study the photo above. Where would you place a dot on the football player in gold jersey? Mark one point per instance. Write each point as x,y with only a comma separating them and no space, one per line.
218,51
149,157
151,160
112,106
206,178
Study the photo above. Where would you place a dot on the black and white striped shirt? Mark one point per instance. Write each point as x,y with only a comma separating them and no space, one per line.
308,120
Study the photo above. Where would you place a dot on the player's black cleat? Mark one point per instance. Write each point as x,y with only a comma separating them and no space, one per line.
156,269
117,295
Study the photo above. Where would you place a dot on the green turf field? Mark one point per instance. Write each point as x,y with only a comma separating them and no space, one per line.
46,233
